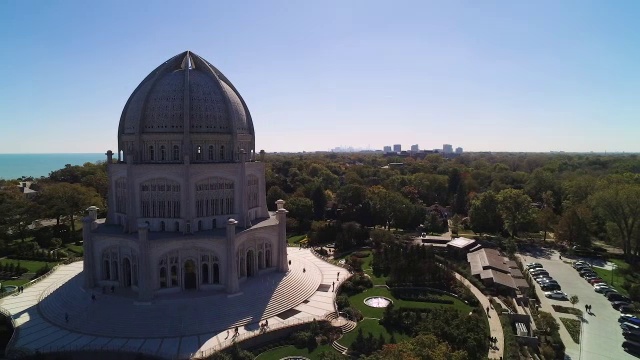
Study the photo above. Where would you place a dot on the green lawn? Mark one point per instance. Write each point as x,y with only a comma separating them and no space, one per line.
293,240
357,301
370,326
280,352
618,278
14,282
76,249
32,266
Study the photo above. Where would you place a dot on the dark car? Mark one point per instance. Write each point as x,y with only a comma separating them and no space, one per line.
631,347
617,297
631,335
626,309
588,273
609,291
551,287
617,304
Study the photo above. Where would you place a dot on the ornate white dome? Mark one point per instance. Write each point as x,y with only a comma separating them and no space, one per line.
189,100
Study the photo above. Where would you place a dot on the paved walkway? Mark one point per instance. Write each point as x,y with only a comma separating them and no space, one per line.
495,327
171,326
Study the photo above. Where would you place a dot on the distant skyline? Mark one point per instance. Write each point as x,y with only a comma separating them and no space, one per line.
486,76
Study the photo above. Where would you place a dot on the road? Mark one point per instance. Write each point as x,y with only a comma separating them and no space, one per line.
601,334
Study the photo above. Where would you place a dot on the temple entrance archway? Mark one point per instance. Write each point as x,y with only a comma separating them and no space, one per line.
126,272
190,279
250,263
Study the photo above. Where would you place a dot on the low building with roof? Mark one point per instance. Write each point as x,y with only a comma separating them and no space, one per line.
490,266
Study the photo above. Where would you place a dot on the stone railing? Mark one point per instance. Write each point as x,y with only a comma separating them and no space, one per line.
32,282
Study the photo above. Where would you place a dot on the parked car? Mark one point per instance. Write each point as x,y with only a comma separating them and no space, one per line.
550,287
626,308
617,304
609,291
633,336
580,263
547,282
629,318
631,347
542,280
596,280
539,273
556,294
617,297
600,289
588,274
629,327
533,264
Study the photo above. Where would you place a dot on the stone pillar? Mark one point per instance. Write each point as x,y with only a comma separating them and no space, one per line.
88,265
145,267
242,189
111,196
232,268
131,197
93,214
281,216
262,155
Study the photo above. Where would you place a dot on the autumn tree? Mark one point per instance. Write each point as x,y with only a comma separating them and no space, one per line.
515,208
619,204
574,225
68,200
484,216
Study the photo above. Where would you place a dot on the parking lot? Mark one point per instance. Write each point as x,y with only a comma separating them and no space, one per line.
601,334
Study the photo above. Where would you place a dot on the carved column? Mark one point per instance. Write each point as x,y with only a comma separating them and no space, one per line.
145,266
281,216
88,265
232,268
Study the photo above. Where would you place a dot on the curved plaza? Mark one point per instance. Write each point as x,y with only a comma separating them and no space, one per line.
58,314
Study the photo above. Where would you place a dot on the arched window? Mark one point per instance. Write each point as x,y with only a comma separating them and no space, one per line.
176,153
260,260
198,152
114,264
174,275
252,191
199,225
163,277
162,226
221,152
177,226
210,152
214,224
163,153
106,270
214,196
216,273
151,153
160,198
121,195
205,273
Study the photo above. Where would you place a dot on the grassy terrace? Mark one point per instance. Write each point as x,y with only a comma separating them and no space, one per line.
290,350
370,323
618,277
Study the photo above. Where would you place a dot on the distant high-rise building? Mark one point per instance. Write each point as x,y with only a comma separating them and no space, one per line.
397,148
387,149
458,150
447,149
415,148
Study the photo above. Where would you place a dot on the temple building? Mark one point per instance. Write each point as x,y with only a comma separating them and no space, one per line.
187,196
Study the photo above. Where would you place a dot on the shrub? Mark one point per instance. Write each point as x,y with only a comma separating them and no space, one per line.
360,254
353,313
343,302
301,339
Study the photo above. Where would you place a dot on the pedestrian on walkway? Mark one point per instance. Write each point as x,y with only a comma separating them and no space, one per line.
586,308
304,270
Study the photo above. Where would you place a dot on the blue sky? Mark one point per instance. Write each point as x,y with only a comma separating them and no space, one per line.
483,75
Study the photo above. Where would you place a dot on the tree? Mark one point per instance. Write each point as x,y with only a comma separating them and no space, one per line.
515,208
70,200
302,210
574,225
483,214
574,300
547,322
319,199
274,194
17,212
619,204
546,218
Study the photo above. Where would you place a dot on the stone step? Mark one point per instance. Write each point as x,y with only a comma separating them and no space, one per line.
341,349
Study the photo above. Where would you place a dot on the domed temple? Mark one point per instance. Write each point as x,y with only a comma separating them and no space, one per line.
187,201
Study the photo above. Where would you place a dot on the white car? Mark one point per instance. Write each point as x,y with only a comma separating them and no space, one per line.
556,294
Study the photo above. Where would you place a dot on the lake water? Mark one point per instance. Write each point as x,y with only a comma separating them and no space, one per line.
13,166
